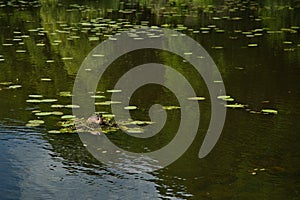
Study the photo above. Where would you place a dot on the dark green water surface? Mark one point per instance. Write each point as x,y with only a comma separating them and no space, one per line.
256,46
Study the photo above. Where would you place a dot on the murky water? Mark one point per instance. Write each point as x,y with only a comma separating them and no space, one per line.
256,46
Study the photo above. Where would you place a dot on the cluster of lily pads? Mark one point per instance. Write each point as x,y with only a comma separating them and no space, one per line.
229,104
9,85
20,4
66,122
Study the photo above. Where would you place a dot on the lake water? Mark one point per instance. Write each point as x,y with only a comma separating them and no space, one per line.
256,46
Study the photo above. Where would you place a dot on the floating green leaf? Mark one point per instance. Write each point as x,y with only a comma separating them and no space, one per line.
130,107
14,86
43,113
33,101
98,96
57,113
46,79
72,106
57,106
196,98
54,131
48,100
113,91
36,121
108,115
270,111
252,45
35,96
171,107
107,103
6,83
65,94
235,105
32,125
68,117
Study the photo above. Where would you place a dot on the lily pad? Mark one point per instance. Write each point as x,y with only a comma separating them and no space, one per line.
68,117
48,100
46,79
57,106
57,113
171,107
33,101
98,96
67,124
43,113
32,125
130,107
6,83
36,121
270,111
135,130
65,94
224,97
136,122
54,131
113,91
108,115
237,105
196,98
35,96
66,130
107,103
72,106
252,45
14,86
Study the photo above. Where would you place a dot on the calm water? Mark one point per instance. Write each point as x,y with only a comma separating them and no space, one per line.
255,44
